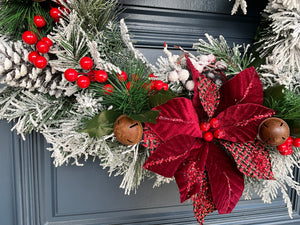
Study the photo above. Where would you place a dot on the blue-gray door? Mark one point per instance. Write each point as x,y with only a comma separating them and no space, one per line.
34,192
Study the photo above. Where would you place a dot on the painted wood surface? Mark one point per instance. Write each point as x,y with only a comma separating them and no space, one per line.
34,192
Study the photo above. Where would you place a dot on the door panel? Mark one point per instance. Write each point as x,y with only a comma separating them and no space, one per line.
34,192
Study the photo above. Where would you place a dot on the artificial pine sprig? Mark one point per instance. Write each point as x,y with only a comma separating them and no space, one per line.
131,96
236,58
95,14
16,17
79,34
286,103
98,19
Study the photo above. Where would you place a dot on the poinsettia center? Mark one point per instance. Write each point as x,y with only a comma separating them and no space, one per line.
210,130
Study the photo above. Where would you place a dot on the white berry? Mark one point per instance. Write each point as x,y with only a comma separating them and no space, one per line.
190,84
183,75
210,76
173,76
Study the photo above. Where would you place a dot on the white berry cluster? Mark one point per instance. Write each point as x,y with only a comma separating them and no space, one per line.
179,78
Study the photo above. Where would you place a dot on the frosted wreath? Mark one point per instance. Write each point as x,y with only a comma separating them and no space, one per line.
82,84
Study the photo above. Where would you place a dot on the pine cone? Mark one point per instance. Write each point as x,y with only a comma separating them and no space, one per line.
17,71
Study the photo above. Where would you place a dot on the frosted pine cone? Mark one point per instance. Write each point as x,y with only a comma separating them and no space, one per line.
17,71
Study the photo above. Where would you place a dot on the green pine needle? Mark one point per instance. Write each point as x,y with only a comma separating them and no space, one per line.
286,107
236,57
132,101
16,17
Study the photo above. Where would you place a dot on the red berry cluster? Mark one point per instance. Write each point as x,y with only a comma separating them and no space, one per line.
158,84
85,79
287,147
55,12
42,46
211,130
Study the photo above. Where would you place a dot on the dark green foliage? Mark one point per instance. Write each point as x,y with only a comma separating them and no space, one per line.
286,105
132,101
100,21
101,124
96,14
95,20
16,16
161,97
146,117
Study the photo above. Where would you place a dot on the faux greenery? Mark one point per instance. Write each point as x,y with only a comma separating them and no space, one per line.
286,104
102,124
16,17
237,57
134,100
98,19
90,21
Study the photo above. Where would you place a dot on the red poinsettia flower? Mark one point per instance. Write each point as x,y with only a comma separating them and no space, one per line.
203,168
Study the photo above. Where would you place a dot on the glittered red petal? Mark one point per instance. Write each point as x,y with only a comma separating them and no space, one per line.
189,175
202,201
252,158
166,159
245,87
226,182
177,117
240,122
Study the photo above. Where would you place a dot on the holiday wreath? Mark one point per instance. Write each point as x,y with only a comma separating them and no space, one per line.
211,121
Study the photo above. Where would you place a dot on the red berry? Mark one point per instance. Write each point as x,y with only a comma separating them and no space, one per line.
122,76
108,89
83,82
129,85
204,126
39,21
40,62
42,47
101,76
282,147
48,41
55,13
288,151
214,123
91,76
86,63
32,56
208,136
296,142
158,85
165,87
71,75
29,37
219,134
289,141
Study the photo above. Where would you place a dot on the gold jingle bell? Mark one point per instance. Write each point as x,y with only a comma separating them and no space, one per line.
127,130
274,131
